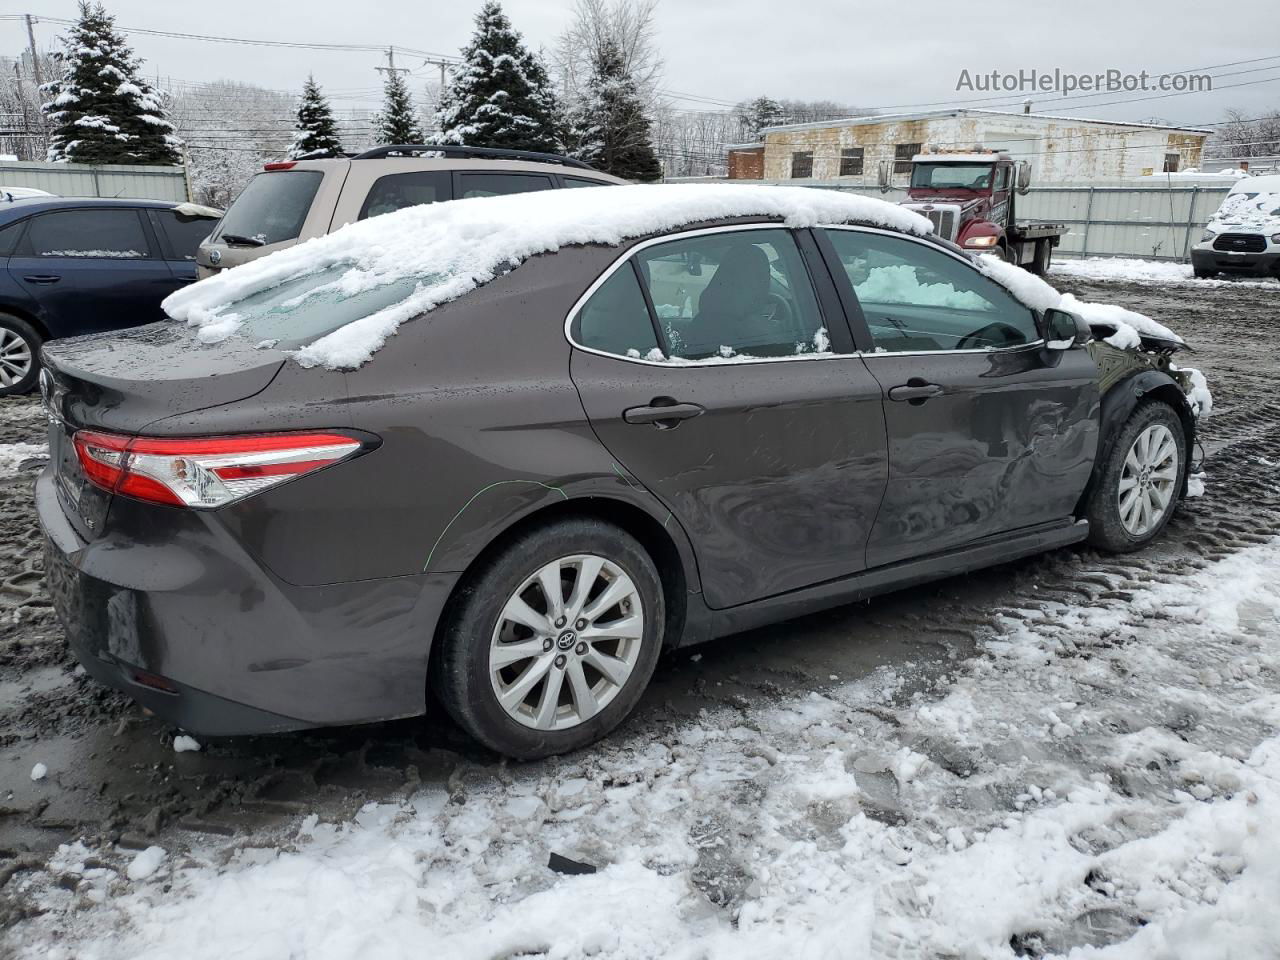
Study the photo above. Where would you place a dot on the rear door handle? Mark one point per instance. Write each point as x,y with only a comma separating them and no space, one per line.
663,412
916,390
43,278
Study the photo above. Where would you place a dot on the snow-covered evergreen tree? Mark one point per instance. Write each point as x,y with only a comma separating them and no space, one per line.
501,95
315,134
608,128
101,109
398,122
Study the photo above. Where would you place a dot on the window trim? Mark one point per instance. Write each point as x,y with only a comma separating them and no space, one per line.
857,319
667,364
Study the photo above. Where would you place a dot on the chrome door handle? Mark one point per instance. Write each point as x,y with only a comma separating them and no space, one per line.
42,278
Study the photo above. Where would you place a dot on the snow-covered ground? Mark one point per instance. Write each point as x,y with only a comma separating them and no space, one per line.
1126,269
1101,781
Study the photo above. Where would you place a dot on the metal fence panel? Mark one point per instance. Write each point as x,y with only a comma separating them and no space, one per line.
1106,218
98,180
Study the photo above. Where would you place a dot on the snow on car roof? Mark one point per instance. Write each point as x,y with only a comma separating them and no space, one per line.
452,248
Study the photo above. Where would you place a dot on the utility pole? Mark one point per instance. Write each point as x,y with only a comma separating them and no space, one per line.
391,69
31,45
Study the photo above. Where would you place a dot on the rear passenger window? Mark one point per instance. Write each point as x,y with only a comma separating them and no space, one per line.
399,190
185,234
497,184
743,293
616,319
100,234
916,298
9,237
579,182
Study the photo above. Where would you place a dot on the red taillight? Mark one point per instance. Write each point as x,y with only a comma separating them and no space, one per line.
280,165
204,472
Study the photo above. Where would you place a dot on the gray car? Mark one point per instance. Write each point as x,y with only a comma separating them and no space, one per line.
608,450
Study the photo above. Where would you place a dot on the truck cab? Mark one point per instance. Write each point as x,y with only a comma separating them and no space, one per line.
970,199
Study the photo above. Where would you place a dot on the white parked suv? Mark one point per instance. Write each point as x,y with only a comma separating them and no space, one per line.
296,200
1243,236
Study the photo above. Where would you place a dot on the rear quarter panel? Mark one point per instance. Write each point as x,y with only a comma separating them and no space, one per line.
480,426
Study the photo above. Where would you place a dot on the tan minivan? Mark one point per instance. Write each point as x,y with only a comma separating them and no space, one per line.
296,200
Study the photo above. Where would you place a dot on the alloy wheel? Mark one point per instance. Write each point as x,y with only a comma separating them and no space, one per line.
1147,480
566,642
15,358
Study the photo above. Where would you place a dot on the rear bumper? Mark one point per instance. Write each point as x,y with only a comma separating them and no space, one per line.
1256,264
166,598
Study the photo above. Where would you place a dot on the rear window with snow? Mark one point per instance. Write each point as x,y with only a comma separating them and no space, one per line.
272,207
299,311
95,234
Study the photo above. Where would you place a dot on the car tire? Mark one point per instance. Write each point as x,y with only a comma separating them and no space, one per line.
1136,489
1202,274
19,356
1044,255
503,638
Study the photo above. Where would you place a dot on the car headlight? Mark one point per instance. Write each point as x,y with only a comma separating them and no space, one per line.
1207,236
981,241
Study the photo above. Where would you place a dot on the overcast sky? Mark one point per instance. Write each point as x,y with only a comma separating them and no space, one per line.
875,55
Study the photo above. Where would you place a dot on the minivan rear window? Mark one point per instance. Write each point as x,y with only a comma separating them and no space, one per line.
273,206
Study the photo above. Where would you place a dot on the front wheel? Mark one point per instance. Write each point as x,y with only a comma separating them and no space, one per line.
1136,489
1043,257
551,645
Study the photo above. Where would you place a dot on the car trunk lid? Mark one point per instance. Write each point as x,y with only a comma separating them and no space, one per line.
123,382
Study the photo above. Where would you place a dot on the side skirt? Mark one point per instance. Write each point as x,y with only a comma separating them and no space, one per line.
869,583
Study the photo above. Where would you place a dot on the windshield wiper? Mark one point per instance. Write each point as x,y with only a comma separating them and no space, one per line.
240,240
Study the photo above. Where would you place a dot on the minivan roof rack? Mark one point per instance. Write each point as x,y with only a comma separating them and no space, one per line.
474,153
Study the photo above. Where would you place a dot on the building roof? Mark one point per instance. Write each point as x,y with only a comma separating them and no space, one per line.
944,114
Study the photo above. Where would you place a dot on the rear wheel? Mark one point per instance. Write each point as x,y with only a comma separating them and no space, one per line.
552,644
1044,255
1136,489
19,355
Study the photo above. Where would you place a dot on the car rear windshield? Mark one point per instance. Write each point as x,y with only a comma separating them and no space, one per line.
273,206
299,311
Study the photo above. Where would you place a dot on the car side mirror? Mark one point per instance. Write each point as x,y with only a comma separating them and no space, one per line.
885,176
1022,176
1064,330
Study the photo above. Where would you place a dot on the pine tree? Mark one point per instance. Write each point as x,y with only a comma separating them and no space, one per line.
609,129
501,95
757,114
315,134
101,109
397,123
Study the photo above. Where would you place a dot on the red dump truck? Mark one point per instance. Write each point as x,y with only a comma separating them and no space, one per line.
970,199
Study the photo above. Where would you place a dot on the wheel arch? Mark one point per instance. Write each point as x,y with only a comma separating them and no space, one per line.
28,317
671,555
1118,405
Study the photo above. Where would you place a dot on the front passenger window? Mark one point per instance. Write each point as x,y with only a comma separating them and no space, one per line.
916,298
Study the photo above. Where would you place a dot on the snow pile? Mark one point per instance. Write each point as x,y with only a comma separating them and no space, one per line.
1101,781
13,455
451,248
1248,211
185,744
1039,295
39,771
145,863
1132,270
900,284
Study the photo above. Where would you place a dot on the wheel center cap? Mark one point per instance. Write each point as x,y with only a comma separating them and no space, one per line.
566,640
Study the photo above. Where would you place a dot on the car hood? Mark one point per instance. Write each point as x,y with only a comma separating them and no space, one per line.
127,380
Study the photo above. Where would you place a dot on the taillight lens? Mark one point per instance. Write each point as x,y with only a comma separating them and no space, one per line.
208,471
